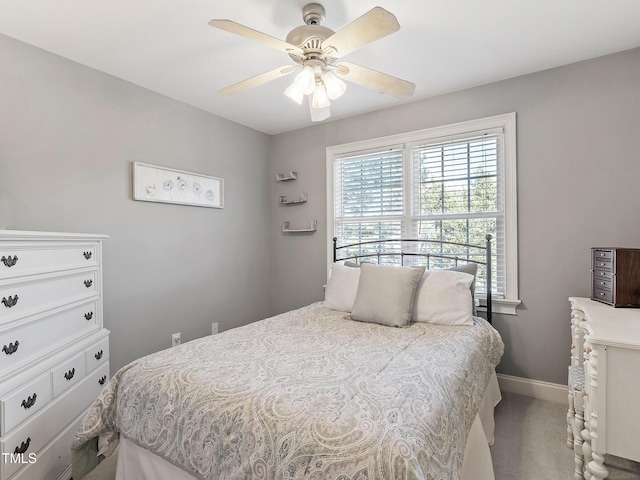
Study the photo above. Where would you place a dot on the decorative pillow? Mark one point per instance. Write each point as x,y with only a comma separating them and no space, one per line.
385,294
471,268
342,286
444,297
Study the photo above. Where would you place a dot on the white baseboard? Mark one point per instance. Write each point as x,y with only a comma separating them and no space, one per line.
551,392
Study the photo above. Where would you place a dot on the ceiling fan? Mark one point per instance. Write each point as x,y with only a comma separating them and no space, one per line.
316,50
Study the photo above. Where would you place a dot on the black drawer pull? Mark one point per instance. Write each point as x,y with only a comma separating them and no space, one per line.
29,402
87,255
88,283
98,355
88,316
12,348
69,375
9,261
10,302
24,446
102,380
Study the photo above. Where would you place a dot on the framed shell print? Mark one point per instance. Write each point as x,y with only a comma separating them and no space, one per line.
153,183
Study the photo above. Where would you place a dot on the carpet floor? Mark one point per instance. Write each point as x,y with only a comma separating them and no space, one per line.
531,443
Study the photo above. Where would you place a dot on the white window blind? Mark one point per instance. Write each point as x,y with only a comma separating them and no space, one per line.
453,183
370,200
458,197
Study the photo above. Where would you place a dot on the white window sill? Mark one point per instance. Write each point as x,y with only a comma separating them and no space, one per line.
504,306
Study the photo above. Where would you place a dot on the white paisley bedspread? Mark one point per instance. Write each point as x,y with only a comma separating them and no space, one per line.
309,394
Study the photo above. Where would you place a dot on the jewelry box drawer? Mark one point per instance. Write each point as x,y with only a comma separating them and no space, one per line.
606,274
97,354
68,374
34,434
19,260
603,295
39,335
603,264
28,297
25,401
603,284
604,255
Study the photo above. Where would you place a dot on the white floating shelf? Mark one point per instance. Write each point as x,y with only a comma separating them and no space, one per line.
303,199
283,177
312,228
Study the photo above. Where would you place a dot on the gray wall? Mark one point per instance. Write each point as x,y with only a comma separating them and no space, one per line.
578,176
68,135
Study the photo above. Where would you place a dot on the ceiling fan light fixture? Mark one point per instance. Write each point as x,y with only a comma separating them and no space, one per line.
305,81
320,99
294,93
318,114
335,87
303,84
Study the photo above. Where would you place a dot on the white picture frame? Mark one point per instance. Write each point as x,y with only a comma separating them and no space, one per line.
154,183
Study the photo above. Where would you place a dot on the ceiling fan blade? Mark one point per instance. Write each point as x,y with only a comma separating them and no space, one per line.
371,26
257,80
374,80
252,34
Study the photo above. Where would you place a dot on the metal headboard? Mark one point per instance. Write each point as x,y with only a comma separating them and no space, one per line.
402,253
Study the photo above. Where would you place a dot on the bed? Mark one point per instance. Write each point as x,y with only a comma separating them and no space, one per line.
317,393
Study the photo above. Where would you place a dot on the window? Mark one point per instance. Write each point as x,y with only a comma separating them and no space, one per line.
454,183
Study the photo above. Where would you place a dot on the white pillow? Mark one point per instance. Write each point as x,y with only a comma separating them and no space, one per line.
444,297
342,287
386,294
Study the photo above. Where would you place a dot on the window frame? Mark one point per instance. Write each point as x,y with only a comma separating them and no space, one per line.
506,122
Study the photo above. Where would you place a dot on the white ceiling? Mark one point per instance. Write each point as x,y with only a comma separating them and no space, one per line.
442,46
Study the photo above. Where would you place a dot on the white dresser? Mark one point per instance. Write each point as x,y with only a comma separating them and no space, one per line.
54,351
606,344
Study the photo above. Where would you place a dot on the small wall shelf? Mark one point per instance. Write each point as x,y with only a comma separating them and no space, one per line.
312,228
303,199
283,177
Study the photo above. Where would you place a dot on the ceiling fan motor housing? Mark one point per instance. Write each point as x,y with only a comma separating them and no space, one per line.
309,38
313,14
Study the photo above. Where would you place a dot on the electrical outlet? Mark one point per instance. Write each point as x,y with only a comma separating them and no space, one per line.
175,339
214,328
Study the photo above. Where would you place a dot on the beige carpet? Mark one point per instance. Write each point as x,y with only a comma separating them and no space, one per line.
106,470
531,443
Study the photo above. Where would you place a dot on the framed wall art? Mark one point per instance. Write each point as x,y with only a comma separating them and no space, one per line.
153,183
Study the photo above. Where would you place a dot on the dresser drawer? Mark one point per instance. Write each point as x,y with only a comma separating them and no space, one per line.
20,260
24,298
25,401
24,343
53,460
39,430
98,354
68,374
